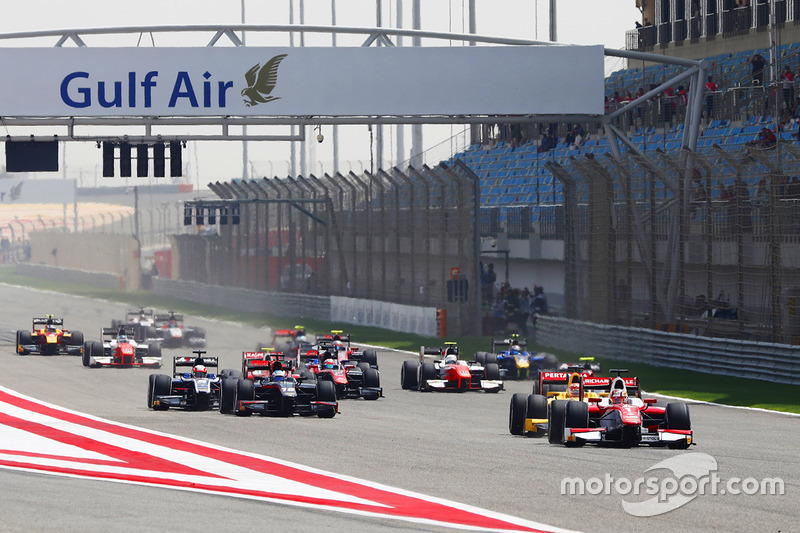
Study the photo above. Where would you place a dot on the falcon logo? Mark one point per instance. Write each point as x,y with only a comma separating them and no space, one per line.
261,81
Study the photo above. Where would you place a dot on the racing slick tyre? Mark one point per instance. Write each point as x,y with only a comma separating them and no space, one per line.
550,362
492,371
307,375
535,388
676,415
372,378
326,392
87,353
76,339
227,392
245,391
154,349
427,371
491,358
516,413
363,366
553,388
230,373
160,385
23,337
371,358
536,408
408,375
480,358
150,332
555,421
576,416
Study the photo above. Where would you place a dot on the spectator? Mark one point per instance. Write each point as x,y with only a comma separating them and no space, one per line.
766,139
787,83
757,62
524,310
711,88
488,278
539,305
499,311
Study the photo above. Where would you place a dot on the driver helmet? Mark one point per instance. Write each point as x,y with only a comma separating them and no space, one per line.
574,390
619,396
199,371
329,364
50,328
122,337
450,359
515,349
278,375
338,345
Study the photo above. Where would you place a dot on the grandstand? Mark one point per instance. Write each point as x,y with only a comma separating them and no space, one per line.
734,242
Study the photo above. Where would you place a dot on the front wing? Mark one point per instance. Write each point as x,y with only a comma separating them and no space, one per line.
490,385
657,437
106,360
61,349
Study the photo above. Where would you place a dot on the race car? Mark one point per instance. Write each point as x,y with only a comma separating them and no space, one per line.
143,319
279,394
620,419
514,360
528,413
448,372
336,345
196,389
351,379
118,348
175,334
48,337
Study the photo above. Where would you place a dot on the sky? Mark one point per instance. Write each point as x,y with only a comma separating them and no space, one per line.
578,22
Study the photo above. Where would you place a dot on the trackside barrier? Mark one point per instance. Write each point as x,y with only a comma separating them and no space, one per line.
274,303
388,315
70,275
777,363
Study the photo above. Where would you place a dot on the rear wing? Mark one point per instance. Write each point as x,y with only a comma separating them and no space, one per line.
127,329
437,350
507,342
166,317
39,321
334,335
189,361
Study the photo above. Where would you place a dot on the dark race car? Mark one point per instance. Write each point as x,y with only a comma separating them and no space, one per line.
261,364
194,388
448,373
175,334
514,359
48,337
118,348
279,394
620,419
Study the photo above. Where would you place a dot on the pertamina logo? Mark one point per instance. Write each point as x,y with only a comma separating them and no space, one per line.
261,81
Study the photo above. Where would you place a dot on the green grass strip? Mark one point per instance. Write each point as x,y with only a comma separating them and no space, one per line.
684,383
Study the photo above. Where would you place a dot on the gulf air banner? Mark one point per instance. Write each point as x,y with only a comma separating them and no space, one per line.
353,81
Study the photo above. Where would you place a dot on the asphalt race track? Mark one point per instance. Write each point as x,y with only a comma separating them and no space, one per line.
454,447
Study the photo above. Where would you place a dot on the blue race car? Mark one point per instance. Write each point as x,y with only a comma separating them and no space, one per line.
514,360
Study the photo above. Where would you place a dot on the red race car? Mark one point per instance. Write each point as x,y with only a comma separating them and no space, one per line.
620,419
448,372
48,337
